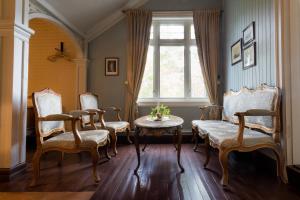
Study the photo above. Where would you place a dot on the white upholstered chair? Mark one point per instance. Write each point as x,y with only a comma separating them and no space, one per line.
51,134
89,102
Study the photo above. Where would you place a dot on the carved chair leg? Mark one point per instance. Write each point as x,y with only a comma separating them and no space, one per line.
223,158
36,167
107,151
207,152
128,136
113,135
195,138
61,158
193,134
280,166
95,159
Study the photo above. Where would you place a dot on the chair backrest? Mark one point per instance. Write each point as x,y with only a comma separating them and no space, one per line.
88,101
47,102
263,97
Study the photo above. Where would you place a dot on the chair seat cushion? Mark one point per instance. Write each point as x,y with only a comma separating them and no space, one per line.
90,138
117,125
219,131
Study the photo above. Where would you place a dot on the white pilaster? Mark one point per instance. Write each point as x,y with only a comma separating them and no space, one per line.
14,47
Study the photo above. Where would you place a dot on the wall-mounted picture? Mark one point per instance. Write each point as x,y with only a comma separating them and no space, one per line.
249,56
236,52
249,33
111,66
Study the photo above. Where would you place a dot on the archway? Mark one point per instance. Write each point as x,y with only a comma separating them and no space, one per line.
66,77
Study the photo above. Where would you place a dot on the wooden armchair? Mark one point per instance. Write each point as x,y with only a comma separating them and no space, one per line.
250,120
89,102
51,134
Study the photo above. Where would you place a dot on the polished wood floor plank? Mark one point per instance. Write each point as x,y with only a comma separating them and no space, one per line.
159,176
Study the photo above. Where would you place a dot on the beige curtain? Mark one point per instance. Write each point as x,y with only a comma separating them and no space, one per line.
207,32
139,24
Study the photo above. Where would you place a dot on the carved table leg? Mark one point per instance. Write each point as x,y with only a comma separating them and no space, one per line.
145,141
175,139
137,147
179,138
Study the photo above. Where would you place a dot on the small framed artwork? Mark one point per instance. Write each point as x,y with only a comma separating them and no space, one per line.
249,33
236,52
111,66
249,56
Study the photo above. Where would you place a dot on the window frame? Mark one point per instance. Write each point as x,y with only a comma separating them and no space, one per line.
187,42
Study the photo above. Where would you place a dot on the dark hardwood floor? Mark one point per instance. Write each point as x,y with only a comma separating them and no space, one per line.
158,176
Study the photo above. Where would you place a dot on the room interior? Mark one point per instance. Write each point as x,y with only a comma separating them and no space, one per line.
141,99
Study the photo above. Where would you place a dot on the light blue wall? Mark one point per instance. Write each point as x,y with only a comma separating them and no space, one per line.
237,15
111,90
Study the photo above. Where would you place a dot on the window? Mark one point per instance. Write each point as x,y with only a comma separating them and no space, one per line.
172,70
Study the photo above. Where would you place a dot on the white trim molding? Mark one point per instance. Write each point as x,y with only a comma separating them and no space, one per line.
174,102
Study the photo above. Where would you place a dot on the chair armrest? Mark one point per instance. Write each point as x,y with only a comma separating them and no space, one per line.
80,113
253,112
212,112
256,112
116,109
101,117
58,117
65,117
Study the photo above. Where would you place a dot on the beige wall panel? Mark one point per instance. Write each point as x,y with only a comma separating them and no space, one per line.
59,75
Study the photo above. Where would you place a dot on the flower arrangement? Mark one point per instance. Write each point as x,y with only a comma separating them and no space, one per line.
160,111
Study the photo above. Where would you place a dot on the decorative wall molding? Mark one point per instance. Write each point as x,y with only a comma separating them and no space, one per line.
37,10
15,35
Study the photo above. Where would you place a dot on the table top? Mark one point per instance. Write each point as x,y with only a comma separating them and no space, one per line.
148,122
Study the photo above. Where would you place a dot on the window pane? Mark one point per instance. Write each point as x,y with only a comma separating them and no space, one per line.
151,33
146,90
171,31
192,32
197,82
171,71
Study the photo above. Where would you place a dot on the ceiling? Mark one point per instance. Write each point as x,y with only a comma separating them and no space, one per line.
89,17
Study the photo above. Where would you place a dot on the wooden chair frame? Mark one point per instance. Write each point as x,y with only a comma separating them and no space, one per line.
230,145
101,112
40,136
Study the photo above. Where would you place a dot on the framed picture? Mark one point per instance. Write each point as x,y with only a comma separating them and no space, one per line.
236,52
249,33
111,66
249,56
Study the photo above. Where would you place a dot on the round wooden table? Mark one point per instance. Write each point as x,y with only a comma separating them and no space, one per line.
146,125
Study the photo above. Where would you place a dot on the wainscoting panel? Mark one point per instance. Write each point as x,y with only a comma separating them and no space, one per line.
238,15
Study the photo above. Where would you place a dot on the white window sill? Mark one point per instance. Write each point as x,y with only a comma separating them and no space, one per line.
174,102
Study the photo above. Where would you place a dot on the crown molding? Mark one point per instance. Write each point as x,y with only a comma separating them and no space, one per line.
20,30
60,16
112,19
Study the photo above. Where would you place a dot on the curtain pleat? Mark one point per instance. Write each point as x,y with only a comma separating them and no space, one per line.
207,32
139,25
